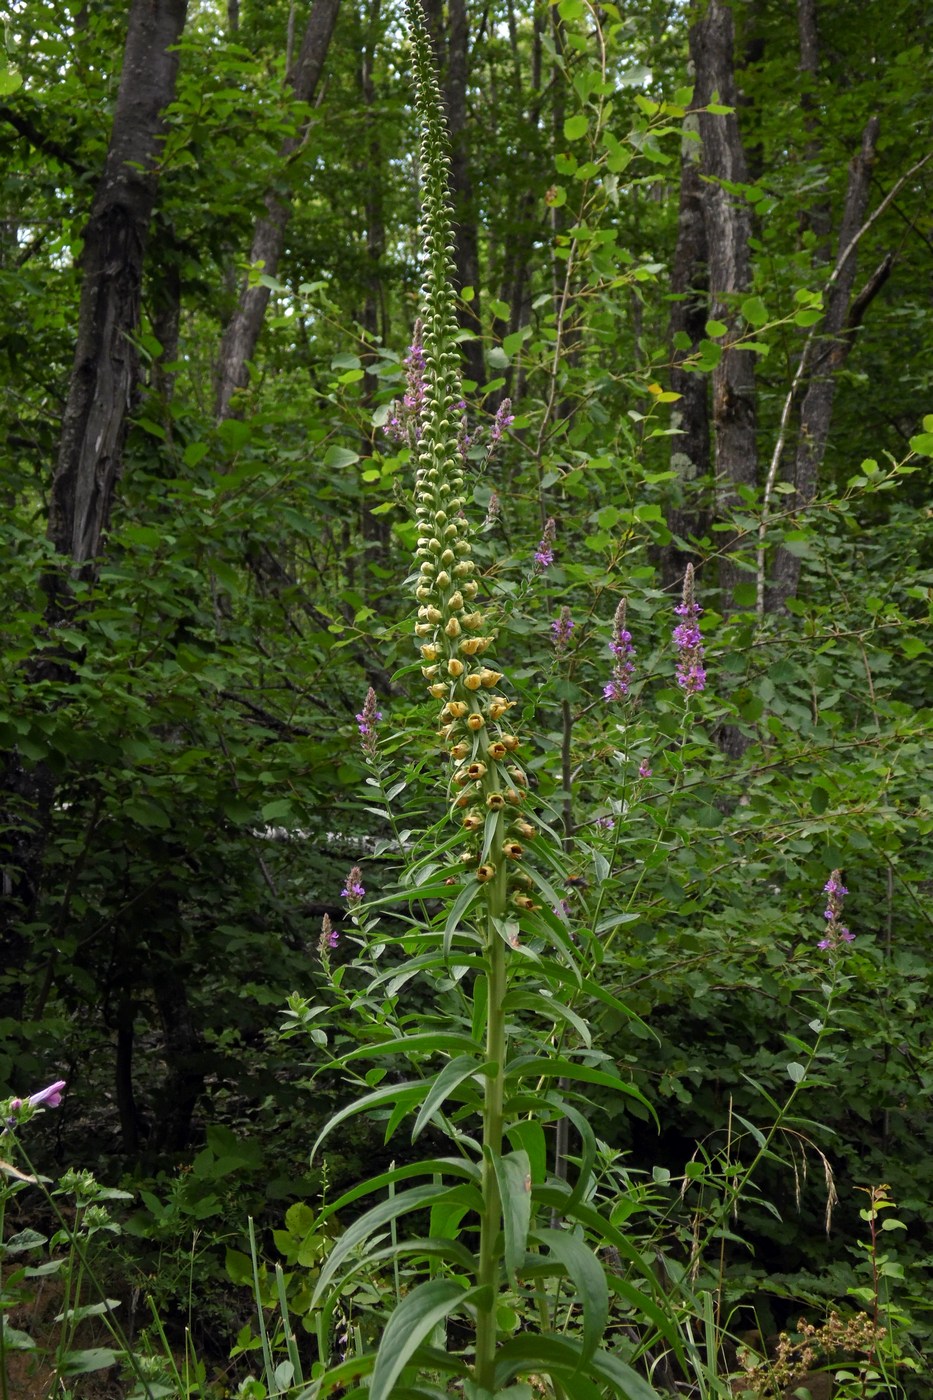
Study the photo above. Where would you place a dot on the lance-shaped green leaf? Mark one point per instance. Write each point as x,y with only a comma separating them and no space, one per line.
413,1320
411,1093
367,1225
561,1358
450,1077
513,1177
588,1278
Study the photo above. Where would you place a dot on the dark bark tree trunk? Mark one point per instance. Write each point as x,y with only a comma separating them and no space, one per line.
842,318
817,217
165,318
100,394
690,452
727,232
104,377
242,333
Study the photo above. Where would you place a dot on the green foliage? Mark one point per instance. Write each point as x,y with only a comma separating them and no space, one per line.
205,759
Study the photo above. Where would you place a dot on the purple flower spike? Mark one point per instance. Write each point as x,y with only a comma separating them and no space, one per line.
544,554
561,630
404,424
691,676
622,650
836,933
366,721
504,418
353,891
328,940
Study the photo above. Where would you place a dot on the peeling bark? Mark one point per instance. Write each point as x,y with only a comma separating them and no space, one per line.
242,333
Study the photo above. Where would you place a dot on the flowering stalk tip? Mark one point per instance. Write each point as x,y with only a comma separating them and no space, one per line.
328,940
622,650
836,933
691,676
544,554
353,891
367,720
562,630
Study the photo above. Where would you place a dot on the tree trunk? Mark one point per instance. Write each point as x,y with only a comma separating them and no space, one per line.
817,217
104,376
727,231
100,394
690,452
843,316
242,333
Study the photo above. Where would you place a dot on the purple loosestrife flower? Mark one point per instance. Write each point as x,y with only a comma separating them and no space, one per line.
561,630
836,933
605,823
691,676
367,720
544,554
328,940
353,891
493,510
644,770
404,422
623,651
504,418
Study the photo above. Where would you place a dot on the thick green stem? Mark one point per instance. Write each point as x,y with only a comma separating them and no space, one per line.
491,1223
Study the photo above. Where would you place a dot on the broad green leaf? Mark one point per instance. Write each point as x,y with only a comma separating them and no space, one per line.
754,311
336,458
82,1363
575,127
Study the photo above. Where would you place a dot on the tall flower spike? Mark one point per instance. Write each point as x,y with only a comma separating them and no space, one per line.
562,630
691,676
623,652
544,554
836,933
367,720
452,632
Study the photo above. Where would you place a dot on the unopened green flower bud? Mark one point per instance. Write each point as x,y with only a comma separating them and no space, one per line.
443,578
447,558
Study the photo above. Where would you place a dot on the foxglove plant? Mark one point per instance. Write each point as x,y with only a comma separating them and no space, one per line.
492,1064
